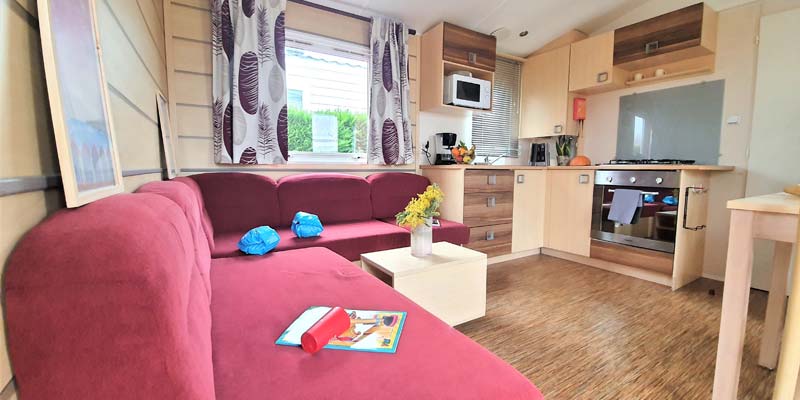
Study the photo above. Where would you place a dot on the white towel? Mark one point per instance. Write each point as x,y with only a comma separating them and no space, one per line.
624,205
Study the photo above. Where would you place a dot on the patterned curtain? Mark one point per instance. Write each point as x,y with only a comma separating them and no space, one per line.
389,127
249,82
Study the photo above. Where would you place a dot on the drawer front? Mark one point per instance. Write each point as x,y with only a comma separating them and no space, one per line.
670,32
482,209
494,240
467,47
483,181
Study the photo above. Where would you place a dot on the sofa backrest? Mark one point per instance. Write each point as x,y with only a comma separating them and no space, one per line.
237,202
183,196
208,228
391,192
105,302
333,197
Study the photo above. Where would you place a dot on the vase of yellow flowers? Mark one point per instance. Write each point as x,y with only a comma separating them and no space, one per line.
418,217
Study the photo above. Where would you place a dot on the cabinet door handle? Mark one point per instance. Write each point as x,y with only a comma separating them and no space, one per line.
489,235
491,202
473,57
491,180
520,178
651,47
583,179
558,129
602,77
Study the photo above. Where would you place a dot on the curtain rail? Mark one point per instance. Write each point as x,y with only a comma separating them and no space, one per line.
340,12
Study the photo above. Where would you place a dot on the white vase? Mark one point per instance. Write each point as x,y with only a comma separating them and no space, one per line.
422,239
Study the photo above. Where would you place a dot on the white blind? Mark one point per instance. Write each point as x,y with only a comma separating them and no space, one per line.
496,133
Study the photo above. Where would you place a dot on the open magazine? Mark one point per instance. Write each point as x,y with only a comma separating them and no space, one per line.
371,331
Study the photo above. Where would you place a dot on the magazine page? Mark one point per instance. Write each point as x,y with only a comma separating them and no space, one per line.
371,331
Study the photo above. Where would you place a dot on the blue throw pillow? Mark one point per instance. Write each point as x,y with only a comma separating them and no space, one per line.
259,240
306,225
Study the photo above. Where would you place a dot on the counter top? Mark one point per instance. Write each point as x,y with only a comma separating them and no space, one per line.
781,203
649,167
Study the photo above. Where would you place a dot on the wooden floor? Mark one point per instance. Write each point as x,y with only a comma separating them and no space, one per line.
582,333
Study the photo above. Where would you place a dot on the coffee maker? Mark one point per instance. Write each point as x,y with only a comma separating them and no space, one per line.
443,144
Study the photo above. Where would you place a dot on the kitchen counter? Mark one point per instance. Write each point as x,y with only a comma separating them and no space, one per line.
648,167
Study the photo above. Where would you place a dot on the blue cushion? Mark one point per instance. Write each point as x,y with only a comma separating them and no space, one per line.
306,225
259,240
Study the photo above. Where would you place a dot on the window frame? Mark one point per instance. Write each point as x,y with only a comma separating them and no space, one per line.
335,47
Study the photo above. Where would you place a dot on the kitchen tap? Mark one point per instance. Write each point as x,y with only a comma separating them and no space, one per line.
486,158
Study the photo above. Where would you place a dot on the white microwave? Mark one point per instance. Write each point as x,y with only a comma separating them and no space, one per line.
466,91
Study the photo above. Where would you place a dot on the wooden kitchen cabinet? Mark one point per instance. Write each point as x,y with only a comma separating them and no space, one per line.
568,214
446,49
529,210
592,65
686,33
545,101
467,47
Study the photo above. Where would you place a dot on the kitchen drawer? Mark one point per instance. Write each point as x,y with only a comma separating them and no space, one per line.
494,240
483,181
467,47
482,209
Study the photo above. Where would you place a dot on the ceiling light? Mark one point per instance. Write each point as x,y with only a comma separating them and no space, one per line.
523,34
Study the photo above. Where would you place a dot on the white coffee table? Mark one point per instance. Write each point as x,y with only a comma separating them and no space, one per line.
450,283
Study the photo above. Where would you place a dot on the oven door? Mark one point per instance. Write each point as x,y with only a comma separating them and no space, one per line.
654,224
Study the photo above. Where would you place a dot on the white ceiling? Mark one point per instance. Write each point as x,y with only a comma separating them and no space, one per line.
545,20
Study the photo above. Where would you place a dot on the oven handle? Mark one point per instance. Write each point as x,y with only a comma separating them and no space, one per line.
696,190
644,193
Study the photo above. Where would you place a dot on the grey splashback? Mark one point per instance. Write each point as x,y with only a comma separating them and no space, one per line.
682,122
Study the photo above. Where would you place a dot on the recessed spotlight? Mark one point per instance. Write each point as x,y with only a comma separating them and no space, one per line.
523,34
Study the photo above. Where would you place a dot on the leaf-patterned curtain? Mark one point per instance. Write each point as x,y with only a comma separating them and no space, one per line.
249,82
389,127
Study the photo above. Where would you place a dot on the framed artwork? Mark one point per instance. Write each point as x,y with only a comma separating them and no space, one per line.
166,135
76,85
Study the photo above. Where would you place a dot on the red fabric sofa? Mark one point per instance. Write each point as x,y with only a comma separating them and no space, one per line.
111,301
357,213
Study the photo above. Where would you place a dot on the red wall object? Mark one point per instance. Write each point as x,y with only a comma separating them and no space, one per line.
579,109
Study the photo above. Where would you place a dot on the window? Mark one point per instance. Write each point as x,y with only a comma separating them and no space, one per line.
496,133
327,87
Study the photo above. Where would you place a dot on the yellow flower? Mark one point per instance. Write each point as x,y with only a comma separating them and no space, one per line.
419,209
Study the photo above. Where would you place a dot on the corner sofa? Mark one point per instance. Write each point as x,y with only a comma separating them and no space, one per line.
121,299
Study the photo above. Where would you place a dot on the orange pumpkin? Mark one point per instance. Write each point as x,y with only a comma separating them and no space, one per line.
580,161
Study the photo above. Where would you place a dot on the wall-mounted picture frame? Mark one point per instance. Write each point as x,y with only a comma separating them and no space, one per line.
76,86
167,143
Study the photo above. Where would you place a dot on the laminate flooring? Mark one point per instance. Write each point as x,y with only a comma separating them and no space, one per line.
579,332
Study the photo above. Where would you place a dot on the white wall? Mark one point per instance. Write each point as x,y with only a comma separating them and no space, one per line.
775,142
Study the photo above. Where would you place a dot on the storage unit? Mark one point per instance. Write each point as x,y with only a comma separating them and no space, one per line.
592,67
530,190
545,101
488,209
568,218
447,48
679,35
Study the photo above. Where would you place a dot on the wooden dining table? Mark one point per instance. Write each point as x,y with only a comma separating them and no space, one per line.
772,217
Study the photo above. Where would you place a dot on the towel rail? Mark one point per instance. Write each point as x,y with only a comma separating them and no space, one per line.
644,193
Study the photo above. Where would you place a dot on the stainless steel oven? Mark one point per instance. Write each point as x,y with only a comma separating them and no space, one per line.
654,223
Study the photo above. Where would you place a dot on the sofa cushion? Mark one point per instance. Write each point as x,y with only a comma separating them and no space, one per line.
238,202
333,197
105,302
447,231
208,229
256,298
391,192
349,239
183,196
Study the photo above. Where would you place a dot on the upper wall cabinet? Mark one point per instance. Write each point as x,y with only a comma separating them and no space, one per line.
466,47
545,101
682,34
445,49
592,65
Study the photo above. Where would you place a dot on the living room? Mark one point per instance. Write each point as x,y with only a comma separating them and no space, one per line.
595,199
